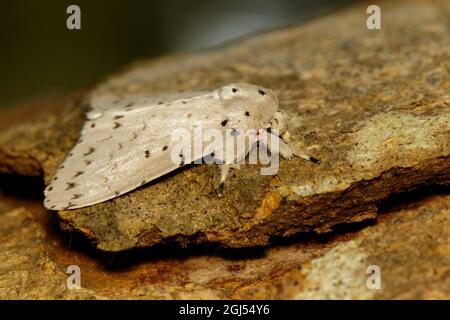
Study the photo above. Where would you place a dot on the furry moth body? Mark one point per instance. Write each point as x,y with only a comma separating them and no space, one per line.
126,142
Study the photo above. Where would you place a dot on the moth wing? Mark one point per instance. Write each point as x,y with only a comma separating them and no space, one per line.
122,149
109,102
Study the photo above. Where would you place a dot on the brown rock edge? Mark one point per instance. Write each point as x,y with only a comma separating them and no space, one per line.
373,106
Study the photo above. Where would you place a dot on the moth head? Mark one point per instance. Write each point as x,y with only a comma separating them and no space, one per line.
265,100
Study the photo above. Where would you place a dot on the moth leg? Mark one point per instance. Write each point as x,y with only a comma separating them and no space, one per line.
281,148
224,169
287,151
278,124
285,138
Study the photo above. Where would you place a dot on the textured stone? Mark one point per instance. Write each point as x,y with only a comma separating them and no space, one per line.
26,268
409,242
34,255
411,248
374,106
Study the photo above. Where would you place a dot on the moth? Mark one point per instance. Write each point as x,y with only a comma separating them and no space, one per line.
126,140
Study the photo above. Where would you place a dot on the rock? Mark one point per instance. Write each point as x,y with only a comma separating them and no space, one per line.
411,249
37,271
26,268
410,244
372,105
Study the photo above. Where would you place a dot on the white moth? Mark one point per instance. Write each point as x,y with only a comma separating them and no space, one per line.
126,141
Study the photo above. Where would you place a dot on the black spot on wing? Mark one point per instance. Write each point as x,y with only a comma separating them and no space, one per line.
93,125
164,148
234,90
87,162
181,159
118,117
76,196
70,185
247,113
261,92
79,173
224,122
147,153
117,193
116,125
90,151
70,205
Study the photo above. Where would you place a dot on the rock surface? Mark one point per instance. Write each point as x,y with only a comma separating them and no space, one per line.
374,106
410,245
411,248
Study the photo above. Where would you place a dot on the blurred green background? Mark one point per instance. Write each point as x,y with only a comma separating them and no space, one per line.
39,56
